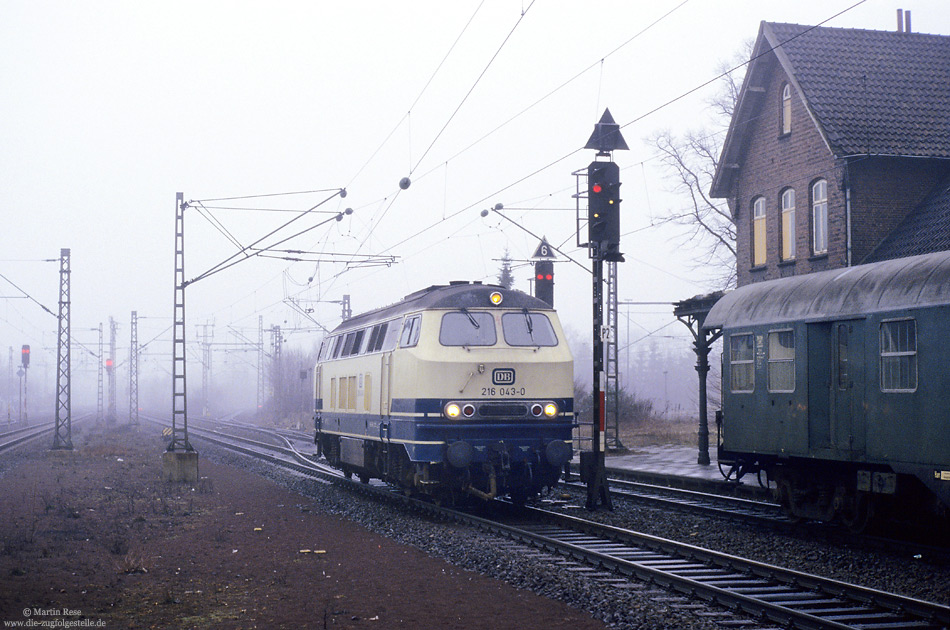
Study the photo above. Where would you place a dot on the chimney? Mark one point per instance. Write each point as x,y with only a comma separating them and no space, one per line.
900,20
907,21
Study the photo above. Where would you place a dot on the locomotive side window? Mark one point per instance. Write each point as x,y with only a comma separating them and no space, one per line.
468,329
388,341
410,331
337,346
528,329
741,366
782,361
899,355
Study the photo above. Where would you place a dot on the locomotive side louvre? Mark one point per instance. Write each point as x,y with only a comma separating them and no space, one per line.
836,384
386,381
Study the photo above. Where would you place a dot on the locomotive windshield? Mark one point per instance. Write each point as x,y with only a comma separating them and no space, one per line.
465,328
528,329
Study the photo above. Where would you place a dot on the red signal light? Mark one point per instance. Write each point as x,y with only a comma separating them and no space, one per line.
597,188
540,276
547,277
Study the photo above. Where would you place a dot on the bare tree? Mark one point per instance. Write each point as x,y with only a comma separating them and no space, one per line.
690,160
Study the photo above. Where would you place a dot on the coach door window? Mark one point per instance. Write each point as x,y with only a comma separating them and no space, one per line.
410,331
741,363
782,361
899,356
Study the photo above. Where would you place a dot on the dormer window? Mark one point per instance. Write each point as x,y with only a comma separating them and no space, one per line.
786,109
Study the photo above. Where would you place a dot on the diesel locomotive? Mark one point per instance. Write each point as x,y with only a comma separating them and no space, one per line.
836,384
458,390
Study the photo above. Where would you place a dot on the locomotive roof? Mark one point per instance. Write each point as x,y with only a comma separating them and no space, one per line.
838,293
441,296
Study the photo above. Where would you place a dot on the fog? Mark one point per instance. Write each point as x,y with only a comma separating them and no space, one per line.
111,108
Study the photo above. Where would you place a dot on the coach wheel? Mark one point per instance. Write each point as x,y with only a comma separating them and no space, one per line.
857,514
727,475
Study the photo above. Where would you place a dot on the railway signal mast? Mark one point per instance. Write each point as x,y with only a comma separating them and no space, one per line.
603,229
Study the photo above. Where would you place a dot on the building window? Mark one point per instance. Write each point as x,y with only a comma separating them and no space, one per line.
788,224
758,231
819,217
740,362
899,355
782,361
786,108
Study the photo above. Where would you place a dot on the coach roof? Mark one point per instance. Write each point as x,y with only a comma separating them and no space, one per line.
852,292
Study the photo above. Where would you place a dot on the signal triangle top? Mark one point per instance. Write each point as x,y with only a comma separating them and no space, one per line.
606,136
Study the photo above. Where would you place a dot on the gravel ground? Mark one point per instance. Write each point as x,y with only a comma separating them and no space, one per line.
470,549
643,607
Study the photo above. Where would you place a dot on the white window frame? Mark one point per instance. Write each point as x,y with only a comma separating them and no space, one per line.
786,109
773,361
819,216
898,354
788,223
733,363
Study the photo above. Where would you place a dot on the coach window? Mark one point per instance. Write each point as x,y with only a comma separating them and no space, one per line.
528,329
782,361
465,328
899,355
741,365
758,231
410,331
786,109
788,224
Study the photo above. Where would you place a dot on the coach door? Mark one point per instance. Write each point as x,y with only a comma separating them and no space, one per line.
847,386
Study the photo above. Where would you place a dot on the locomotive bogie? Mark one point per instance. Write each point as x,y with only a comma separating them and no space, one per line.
449,403
835,384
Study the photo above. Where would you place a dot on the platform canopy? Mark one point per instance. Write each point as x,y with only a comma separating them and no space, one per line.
838,293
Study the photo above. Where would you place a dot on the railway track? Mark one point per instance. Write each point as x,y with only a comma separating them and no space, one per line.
762,595
16,437
694,500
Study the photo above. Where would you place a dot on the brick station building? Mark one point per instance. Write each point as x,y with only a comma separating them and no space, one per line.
838,152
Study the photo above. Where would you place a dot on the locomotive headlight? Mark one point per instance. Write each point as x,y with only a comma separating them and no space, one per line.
537,410
468,410
550,410
452,410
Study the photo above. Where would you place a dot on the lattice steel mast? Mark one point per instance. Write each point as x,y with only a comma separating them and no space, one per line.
179,390
134,369
63,433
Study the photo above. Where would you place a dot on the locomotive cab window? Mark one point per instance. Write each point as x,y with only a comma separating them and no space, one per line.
899,355
528,329
410,331
741,366
782,361
465,328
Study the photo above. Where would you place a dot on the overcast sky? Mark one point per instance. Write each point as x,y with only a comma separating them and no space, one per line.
107,109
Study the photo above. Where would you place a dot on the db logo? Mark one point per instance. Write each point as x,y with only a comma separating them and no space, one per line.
503,376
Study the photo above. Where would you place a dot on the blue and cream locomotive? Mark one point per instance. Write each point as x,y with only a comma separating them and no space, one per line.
458,390
837,385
